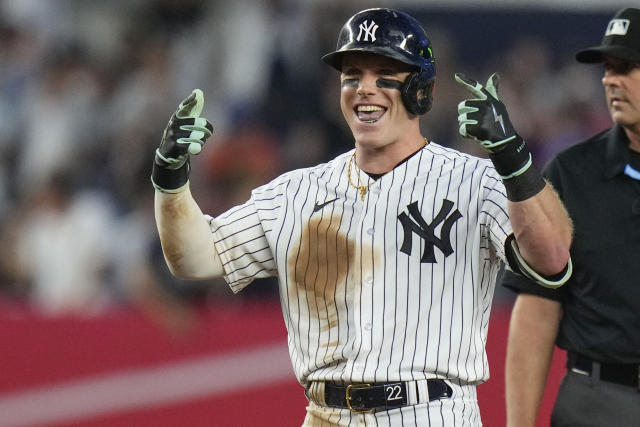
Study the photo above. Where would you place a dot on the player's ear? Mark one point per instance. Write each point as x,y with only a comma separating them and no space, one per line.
417,92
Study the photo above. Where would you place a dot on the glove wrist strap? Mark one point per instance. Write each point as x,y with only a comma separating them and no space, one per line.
513,162
525,185
510,157
169,180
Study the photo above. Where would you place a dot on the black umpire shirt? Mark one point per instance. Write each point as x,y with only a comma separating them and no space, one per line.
601,300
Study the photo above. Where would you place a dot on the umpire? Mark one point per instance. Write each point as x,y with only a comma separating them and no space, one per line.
596,315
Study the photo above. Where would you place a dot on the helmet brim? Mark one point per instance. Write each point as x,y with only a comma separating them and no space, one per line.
335,58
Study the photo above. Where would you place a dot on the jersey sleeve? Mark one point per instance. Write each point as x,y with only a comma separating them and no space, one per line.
495,218
240,240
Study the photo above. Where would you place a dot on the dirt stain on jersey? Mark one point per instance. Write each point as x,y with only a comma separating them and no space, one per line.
327,270
320,267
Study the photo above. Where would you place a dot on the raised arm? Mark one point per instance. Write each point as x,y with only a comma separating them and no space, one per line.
540,223
543,231
187,242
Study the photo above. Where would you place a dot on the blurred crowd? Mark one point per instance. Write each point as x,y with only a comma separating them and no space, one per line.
87,86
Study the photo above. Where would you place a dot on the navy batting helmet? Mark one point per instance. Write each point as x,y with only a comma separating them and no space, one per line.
396,35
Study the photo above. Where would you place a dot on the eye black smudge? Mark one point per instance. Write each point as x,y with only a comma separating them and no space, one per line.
388,84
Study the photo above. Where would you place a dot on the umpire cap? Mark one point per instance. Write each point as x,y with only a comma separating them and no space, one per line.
621,39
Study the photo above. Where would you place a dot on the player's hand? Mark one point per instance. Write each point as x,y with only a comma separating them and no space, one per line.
484,117
185,134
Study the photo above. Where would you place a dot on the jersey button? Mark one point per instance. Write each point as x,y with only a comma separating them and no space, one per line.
370,231
367,326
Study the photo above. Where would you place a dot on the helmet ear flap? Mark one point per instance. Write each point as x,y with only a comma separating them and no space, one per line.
417,91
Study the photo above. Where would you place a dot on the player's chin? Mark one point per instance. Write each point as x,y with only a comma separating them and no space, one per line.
369,137
366,133
367,125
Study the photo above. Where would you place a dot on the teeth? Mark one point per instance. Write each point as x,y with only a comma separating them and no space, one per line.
365,108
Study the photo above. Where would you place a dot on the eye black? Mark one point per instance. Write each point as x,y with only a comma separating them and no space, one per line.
388,84
350,83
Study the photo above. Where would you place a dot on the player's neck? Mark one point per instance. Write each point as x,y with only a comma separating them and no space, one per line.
380,160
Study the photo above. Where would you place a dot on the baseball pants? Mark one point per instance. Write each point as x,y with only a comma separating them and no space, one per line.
583,401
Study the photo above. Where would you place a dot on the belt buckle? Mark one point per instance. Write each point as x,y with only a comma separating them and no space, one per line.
348,398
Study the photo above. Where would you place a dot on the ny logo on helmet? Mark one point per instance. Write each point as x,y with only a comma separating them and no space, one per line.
369,30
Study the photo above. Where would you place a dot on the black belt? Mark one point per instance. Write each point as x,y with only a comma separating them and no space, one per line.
374,397
620,373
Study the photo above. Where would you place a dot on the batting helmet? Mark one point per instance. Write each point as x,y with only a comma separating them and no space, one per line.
396,35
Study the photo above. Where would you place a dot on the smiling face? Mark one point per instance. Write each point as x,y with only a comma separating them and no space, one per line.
372,106
621,82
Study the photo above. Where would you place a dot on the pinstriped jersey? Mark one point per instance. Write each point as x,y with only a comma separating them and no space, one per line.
394,285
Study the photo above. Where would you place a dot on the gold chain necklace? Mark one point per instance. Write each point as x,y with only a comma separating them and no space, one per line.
364,188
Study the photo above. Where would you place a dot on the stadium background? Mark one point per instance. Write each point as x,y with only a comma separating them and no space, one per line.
95,331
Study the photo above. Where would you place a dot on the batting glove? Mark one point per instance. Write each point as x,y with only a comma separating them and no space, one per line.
185,134
485,119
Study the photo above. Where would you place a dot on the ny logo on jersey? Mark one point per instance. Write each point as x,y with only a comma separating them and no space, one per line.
427,231
369,30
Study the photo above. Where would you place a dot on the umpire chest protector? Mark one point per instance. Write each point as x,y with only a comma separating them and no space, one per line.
395,35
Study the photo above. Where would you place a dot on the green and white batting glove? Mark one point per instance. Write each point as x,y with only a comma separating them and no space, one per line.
185,134
485,119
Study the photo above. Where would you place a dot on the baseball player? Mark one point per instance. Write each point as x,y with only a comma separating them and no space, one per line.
386,255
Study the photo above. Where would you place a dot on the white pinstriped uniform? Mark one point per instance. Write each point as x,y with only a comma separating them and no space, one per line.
358,308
